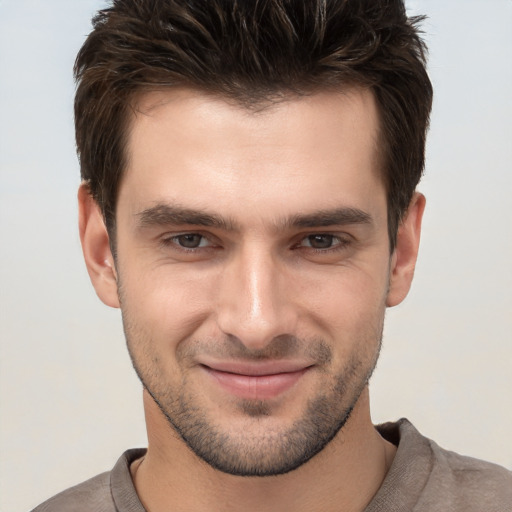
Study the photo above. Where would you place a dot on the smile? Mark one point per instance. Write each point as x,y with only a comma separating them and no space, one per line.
256,381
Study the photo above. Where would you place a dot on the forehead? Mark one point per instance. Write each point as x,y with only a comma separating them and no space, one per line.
190,148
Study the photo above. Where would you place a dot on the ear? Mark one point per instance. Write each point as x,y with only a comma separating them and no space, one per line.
96,248
403,260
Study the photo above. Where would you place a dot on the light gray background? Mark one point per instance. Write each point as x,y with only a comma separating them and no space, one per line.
70,402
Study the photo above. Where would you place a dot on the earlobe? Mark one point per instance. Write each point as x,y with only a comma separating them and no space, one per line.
403,260
96,248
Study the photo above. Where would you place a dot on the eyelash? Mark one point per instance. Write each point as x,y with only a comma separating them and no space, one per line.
342,243
172,240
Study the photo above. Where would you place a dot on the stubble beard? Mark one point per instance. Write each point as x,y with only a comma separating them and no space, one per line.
271,452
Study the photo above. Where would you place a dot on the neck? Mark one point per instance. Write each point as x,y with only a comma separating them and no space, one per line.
343,476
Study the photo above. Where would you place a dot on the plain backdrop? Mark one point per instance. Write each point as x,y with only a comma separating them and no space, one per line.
70,402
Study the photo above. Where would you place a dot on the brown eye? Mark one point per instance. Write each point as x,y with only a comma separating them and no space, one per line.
190,240
320,241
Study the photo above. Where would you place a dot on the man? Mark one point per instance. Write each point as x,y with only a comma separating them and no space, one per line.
249,203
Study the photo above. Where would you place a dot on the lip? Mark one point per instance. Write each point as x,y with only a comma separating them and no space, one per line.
259,380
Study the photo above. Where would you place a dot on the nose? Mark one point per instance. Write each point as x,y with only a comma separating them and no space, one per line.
254,300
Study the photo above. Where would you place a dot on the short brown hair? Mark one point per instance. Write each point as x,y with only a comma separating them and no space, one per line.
253,51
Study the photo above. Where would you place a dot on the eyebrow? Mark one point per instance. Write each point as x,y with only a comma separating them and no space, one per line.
175,215
334,217
164,214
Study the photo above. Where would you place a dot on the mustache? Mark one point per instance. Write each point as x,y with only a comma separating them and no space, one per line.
281,347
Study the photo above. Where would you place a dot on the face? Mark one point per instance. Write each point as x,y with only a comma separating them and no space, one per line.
253,270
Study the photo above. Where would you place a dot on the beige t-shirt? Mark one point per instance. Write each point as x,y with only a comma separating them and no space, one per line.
423,477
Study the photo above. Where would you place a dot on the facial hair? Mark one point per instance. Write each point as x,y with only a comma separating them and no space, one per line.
266,450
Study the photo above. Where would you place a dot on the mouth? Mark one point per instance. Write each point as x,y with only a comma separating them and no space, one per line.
256,381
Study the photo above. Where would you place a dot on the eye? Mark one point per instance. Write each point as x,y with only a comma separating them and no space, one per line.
188,241
321,241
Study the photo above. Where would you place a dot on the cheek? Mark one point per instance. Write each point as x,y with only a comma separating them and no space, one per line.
339,292
167,303
349,306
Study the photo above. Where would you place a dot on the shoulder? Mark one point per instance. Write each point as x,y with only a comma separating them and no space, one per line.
91,495
434,478
107,492
471,484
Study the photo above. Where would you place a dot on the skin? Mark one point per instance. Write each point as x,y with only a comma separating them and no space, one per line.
283,216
